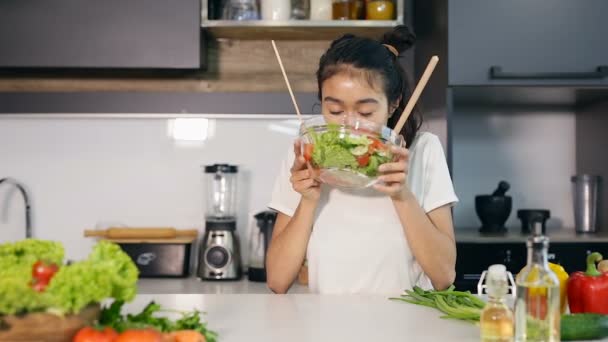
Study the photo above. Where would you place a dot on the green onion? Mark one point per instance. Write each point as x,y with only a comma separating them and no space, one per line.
457,305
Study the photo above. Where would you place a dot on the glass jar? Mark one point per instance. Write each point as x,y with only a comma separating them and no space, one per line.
380,10
357,9
320,9
496,319
340,9
241,10
300,9
276,9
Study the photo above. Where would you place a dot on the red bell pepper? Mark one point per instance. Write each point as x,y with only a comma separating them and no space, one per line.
588,291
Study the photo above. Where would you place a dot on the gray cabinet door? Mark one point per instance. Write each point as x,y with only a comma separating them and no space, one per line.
132,34
528,42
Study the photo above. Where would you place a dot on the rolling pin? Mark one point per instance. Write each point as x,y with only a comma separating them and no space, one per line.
141,233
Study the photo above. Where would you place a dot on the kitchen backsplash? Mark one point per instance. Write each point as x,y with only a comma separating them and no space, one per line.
533,151
84,172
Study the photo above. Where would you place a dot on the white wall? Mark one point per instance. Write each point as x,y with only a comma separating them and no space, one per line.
533,151
81,172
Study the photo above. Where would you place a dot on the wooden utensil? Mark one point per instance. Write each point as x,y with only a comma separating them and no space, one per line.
141,233
416,94
293,98
41,326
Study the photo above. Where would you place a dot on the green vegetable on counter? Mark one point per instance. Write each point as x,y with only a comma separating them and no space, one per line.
108,272
111,317
467,307
584,326
454,304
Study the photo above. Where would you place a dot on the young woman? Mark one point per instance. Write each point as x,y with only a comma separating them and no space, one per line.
380,240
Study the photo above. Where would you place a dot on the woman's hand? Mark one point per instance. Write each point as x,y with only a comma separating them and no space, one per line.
394,175
302,177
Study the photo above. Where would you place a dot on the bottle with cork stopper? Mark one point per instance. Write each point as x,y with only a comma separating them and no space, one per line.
496,320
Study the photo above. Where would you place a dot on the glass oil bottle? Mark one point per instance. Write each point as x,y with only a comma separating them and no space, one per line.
496,320
537,305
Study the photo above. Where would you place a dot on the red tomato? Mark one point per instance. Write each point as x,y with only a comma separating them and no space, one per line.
39,286
363,160
88,334
43,272
140,335
308,149
187,336
376,145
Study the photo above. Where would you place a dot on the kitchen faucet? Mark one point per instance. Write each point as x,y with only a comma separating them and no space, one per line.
26,200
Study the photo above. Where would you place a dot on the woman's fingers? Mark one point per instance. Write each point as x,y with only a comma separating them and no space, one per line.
389,189
303,185
393,178
297,176
401,152
400,166
299,162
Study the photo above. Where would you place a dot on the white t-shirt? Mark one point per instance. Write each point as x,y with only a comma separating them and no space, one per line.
358,244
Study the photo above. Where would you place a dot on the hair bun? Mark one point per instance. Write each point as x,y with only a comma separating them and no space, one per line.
344,37
400,37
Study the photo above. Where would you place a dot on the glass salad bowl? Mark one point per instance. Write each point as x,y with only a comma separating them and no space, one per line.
348,153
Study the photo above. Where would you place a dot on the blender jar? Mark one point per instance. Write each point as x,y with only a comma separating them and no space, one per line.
220,181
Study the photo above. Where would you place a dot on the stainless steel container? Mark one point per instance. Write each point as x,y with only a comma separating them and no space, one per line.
585,199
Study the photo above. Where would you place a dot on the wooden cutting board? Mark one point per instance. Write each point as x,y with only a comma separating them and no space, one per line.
45,327
177,240
142,233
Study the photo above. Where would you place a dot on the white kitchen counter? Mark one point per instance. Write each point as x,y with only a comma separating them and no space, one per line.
195,286
299,318
314,318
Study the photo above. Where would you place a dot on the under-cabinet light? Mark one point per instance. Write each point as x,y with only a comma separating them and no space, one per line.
189,129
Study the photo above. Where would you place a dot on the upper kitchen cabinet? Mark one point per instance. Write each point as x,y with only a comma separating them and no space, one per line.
108,34
522,42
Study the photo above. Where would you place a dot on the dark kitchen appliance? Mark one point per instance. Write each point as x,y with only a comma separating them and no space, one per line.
160,258
261,234
219,257
475,255
529,216
157,252
494,210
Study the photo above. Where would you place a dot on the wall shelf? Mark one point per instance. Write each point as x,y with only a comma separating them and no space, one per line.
298,29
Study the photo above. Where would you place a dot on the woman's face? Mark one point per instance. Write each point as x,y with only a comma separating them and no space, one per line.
344,94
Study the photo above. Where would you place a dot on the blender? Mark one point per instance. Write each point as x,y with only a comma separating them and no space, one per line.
259,240
219,254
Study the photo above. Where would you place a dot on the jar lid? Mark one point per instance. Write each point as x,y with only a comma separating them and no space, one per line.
225,168
585,177
497,272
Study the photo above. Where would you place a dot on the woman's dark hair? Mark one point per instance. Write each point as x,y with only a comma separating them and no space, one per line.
376,62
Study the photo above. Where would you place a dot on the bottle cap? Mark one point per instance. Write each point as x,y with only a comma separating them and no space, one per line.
497,272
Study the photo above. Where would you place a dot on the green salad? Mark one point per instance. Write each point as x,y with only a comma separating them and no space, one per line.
33,277
338,148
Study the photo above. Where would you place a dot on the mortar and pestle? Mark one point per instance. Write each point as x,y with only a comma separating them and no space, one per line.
494,210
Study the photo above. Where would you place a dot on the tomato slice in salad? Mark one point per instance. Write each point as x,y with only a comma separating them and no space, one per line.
308,149
363,160
376,145
43,272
